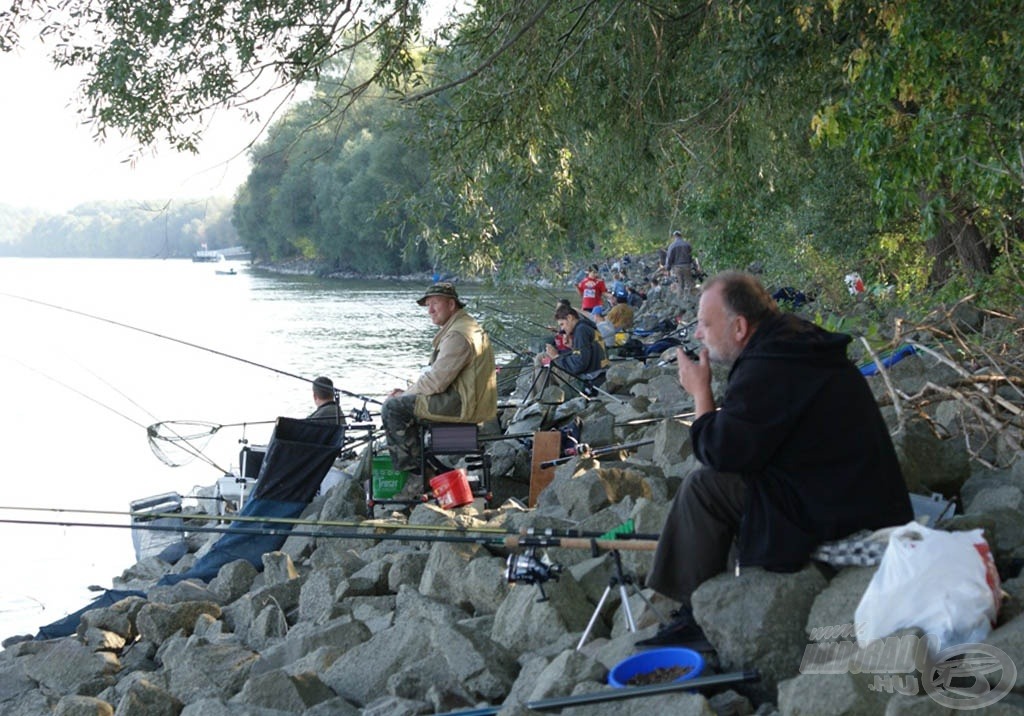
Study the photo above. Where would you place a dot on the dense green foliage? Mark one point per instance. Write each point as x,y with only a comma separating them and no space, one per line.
126,230
817,137
327,189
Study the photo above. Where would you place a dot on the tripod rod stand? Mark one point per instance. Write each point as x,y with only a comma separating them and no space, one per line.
621,581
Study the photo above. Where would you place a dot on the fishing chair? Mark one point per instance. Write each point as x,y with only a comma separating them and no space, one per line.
457,440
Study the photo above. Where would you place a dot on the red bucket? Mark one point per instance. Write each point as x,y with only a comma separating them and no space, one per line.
452,489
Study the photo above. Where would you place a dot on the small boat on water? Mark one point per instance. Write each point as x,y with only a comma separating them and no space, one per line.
207,256
226,272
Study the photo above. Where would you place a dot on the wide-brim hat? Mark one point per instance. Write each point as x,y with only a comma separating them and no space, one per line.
444,289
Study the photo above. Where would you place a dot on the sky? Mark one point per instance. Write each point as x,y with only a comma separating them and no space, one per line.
51,161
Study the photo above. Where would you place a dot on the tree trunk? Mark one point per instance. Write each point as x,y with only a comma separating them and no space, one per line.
958,243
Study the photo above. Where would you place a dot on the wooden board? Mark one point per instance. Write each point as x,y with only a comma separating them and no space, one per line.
547,445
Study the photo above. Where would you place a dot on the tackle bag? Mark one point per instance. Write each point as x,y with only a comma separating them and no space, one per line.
944,583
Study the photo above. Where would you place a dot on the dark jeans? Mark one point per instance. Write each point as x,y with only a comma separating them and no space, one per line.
698,533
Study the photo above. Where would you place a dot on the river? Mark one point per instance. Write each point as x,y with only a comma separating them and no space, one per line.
96,350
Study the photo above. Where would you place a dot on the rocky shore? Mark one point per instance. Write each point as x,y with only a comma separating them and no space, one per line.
411,626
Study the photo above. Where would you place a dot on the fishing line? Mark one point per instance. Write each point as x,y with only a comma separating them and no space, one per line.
177,340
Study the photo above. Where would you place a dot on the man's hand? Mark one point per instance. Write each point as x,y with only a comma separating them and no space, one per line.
551,350
695,378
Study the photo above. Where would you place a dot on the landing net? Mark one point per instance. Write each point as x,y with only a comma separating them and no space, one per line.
179,442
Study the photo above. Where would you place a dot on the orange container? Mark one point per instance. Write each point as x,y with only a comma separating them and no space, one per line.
452,489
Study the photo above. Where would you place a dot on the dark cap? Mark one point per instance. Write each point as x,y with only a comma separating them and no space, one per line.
444,289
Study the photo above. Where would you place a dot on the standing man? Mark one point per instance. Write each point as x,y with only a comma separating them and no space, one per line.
460,386
326,400
796,455
592,290
679,262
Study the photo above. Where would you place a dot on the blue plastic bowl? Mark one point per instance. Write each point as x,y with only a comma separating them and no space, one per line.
648,661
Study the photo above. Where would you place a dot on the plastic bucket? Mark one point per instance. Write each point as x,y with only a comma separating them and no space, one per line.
386,481
452,489
648,661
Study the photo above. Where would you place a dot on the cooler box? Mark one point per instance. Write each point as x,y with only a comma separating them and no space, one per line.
386,480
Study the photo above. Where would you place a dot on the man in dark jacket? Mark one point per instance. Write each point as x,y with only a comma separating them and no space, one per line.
796,455
326,400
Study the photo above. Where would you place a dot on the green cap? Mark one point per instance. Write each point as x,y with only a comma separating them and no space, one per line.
442,289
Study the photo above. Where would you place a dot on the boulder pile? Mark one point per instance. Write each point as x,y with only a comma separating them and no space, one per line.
408,620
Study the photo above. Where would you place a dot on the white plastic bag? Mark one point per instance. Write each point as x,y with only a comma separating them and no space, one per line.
945,583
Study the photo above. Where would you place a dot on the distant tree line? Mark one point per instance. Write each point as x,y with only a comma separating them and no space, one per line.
119,229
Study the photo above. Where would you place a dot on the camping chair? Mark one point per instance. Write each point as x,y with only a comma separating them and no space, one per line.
299,454
457,440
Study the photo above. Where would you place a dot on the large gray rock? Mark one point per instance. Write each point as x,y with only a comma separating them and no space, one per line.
197,669
757,620
145,698
64,666
930,464
522,622
156,622
287,692
82,706
833,609
278,568
118,618
304,638
233,580
834,694
671,446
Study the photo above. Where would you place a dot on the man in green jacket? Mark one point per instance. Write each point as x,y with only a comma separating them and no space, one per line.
460,386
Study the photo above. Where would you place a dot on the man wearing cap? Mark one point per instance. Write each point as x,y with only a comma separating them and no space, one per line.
679,262
459,386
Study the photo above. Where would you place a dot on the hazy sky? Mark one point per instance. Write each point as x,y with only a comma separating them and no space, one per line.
50,160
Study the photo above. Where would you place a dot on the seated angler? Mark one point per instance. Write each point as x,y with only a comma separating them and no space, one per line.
587,359
796,454
325,397
459,386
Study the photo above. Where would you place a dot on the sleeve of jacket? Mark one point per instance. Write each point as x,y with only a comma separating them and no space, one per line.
453,355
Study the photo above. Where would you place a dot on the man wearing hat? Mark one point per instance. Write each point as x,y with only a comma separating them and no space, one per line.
459,386
679,262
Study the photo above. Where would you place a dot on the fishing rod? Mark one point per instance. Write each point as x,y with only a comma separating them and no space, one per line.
176,340
594,697
511,541
625,531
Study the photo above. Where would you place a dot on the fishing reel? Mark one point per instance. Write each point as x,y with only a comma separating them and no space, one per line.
361,415
528,568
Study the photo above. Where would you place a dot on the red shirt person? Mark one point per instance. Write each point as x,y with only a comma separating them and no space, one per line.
592,290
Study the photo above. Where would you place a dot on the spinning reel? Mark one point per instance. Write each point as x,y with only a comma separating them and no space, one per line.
528,568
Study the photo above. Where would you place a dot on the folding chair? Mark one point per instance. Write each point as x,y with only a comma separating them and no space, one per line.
457,440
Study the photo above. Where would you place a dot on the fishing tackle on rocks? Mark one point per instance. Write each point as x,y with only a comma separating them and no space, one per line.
584,451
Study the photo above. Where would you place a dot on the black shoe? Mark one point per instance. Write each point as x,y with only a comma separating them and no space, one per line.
682,630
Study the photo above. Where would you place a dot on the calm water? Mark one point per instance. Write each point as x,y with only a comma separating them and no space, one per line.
79,392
